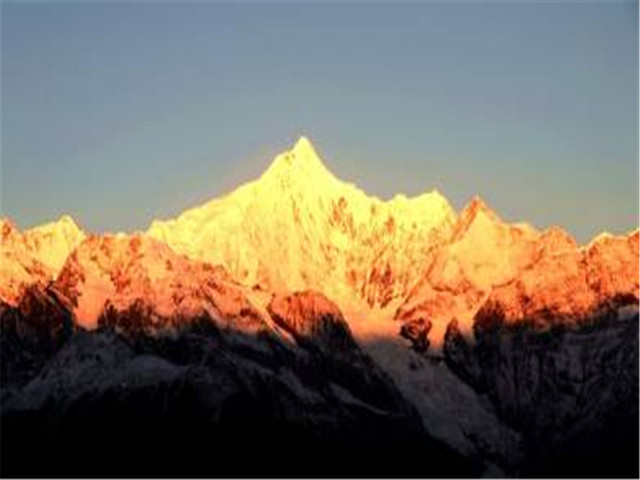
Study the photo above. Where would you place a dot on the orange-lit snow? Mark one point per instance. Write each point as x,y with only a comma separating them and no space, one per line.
298,227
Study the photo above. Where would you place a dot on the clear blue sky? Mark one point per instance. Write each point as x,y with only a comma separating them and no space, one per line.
119,113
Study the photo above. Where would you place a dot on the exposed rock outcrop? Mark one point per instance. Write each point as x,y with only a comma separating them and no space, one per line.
417,332
312,319
31,332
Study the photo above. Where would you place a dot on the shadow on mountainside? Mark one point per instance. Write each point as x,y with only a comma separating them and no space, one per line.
203,402
572,391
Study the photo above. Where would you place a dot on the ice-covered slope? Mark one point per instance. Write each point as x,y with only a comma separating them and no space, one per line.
299,227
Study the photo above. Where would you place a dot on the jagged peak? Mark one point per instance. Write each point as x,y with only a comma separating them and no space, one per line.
68,220
432,205
433,195
476,205
555,231
299,163
304,147
64,223
555,239
472,211
110,242
605,236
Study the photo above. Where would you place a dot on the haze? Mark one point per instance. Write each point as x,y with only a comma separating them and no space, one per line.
120,113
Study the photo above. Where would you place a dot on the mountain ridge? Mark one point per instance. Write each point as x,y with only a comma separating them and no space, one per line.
298,227
300,297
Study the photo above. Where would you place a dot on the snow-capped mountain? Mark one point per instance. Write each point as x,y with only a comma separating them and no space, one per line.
334,314
35,255
571,285
116,272
298,227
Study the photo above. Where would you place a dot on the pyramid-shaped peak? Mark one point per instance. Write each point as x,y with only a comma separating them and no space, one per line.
477,204
555,239
64,223
474,210
67,219
303,152
476,207
304,147
301,160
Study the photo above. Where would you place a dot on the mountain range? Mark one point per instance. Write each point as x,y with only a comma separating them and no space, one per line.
401,336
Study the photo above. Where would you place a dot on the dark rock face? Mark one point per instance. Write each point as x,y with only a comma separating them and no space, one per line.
417,332
202,401
312,319
319,328
145,395
461,358
571,391
31,333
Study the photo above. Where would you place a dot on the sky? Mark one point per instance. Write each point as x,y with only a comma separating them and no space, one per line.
118,113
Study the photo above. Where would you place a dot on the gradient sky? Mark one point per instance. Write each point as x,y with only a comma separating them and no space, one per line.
120,113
